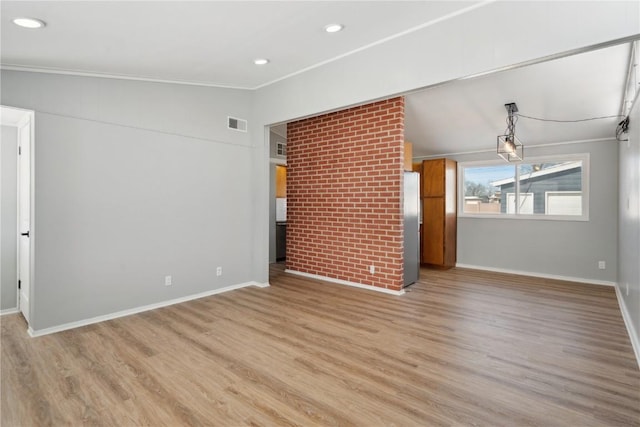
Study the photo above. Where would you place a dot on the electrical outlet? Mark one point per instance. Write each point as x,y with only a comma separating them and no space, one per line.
372,269
602,265
167,281
219,271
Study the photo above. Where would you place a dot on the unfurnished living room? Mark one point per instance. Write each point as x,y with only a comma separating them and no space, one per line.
367,213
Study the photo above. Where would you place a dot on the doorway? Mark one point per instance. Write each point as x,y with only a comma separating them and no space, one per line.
17,208
281,213
277,193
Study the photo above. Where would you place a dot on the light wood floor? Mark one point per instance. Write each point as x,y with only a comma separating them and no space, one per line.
462,347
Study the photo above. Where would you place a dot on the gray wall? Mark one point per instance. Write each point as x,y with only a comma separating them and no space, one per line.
629,222
561,248
8,218
133,181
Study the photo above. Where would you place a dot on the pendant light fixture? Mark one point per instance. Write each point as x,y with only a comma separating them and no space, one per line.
509,147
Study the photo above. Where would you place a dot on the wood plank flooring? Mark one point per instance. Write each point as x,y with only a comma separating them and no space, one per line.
461,348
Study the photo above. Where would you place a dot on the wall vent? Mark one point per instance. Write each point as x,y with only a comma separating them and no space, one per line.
237,124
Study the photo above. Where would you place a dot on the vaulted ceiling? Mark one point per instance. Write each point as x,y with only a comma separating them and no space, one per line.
467,115
215,43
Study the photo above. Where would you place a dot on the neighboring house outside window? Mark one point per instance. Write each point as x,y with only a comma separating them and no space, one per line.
548,188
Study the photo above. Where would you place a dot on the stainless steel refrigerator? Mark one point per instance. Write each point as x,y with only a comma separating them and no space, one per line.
411,227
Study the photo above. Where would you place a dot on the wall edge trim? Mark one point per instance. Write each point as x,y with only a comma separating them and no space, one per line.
553,144
541,275
6,311
346,283
631,330
260,284
123,313
77,73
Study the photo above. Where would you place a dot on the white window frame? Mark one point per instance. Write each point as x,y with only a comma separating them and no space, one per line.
584,157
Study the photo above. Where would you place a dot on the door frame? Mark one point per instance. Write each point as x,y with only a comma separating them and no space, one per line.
27,121
27,118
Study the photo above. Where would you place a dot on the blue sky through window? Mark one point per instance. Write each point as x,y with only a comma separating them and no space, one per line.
485,175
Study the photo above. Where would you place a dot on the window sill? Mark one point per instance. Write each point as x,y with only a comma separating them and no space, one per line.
582,218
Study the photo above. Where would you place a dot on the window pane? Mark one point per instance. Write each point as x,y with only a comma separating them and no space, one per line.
555,186
549,185
526,203
481,194
564,203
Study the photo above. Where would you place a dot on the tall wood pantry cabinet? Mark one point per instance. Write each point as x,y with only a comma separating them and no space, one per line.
439,213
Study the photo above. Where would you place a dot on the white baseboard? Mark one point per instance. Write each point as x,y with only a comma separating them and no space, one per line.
9,311
260,285
347,283
123,313
541,275
631,330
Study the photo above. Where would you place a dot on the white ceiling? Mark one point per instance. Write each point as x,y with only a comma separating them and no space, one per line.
214,43
468,115
203,42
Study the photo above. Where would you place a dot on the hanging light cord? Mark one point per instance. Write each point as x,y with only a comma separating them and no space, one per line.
622,127
511,124
569,121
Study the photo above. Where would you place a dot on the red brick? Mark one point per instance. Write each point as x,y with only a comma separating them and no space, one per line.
344,207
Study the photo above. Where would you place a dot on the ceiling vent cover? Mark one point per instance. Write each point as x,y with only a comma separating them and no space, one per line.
237,124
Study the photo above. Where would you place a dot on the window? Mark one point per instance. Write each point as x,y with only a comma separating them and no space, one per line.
525,204
281,149
545,188
563,203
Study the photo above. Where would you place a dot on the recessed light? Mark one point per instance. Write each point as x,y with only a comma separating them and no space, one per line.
31,23
333,28
261,61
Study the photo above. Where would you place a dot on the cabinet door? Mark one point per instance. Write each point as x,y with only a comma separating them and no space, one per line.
433,176
408,156
433,230
281,181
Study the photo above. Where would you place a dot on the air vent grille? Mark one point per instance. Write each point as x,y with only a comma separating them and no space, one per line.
237,124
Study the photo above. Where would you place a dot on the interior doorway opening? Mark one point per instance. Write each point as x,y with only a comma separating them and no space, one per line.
16,232
278,194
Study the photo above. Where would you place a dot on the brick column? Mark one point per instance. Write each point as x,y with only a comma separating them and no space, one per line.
344,194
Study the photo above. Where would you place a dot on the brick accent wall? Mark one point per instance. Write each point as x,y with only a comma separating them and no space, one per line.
344,194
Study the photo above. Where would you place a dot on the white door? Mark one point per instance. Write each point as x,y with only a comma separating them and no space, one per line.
24,214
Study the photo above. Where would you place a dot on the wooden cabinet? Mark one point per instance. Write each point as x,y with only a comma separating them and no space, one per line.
439,213
408,156
433,178
281,181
